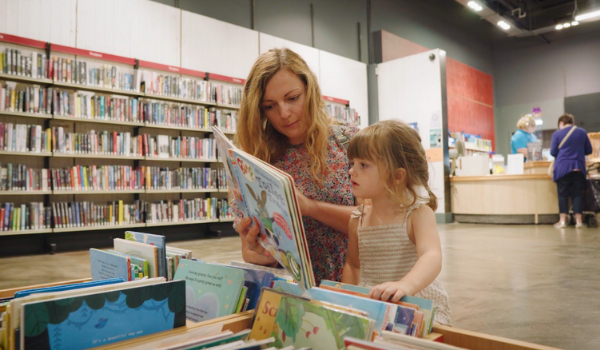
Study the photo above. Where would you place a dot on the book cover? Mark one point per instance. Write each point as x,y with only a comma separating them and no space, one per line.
269,200
142,263
156,240
304,324
144,251
425,306
211,290
24,293
90,320
264,314
255,281
384,314
226,148
106,265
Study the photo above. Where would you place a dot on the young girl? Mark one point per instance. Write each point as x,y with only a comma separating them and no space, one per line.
394,245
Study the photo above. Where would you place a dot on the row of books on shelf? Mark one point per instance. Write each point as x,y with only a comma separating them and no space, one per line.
343,114
102,107
73,71
31,138
38,216
19,177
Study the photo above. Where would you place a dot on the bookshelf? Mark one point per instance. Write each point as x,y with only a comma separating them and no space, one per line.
106,93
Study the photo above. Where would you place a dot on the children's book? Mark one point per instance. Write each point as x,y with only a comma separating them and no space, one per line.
277,272
425,306
16,304
105,265
412,342
155,240
24,293
384,314
269,198
142,263
89,320
263,318
255,280
142,250
225,148
211,290
301,323
365,295
186,253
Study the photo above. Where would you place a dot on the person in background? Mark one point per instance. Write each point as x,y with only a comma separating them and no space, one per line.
569,168
523,136
282,121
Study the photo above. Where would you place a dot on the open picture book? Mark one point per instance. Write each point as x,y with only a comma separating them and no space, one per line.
267,195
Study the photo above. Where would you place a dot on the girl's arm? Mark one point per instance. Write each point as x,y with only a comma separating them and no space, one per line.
351,273
333,215
429,264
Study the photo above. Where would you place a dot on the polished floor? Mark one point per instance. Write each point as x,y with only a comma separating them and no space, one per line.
531,283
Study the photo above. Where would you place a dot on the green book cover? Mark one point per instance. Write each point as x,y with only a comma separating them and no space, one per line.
211,290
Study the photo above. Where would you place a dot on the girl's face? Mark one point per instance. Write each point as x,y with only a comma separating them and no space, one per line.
365,178
284,105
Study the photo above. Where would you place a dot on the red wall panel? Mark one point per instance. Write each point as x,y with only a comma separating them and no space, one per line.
470,100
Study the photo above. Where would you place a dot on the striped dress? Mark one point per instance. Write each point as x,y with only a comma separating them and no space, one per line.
387,254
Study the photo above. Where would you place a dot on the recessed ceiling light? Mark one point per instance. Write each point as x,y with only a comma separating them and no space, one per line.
574,23
559,27
503,25
567,25
475,6
587,16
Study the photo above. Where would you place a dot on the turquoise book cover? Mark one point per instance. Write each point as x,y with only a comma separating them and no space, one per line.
102,318
107,265
211,290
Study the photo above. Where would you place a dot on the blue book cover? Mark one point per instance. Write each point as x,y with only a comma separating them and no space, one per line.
102,318
255,280
211,290
269,200
156,240
106,265
24,293
404,320
382,313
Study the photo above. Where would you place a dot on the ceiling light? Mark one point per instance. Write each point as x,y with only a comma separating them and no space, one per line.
475,6
574,23
503,25
567,25
587,16
559,27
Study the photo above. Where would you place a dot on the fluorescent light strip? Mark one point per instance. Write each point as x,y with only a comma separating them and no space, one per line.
475,6
559,27
587,16
503,25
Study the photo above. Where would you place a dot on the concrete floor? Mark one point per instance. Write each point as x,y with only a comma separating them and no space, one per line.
532,283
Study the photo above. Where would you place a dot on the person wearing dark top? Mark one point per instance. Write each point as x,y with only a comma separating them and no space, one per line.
569,168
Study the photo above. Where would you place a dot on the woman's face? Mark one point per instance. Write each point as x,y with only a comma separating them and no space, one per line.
530,129
284,105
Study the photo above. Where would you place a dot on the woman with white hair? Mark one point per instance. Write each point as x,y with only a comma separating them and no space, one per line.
523,136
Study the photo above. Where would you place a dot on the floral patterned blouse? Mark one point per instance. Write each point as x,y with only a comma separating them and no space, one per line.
327,246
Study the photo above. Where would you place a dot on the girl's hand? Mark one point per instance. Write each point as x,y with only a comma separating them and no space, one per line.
389,291
306,205
252,251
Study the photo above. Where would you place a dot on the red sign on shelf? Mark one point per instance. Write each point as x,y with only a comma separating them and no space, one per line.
225,78
173,69
336,100
92,54
22,41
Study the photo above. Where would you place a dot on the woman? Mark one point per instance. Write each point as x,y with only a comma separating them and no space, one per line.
523,136
282,121
569,167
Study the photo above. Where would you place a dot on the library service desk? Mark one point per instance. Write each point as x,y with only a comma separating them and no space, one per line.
530,198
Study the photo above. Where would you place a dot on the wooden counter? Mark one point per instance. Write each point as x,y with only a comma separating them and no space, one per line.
504,199
538,167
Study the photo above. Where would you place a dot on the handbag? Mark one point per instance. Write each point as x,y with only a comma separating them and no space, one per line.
551,167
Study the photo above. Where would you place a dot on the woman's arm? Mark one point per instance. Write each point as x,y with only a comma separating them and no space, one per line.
427,267
351,273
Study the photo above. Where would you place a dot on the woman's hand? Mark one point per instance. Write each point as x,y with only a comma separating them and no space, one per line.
389,291
252,251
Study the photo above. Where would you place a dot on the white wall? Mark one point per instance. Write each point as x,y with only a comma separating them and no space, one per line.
410,89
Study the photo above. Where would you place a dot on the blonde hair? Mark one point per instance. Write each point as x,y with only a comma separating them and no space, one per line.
525,121
257,136
393,145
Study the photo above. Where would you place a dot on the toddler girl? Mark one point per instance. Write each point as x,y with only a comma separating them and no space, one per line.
394,246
